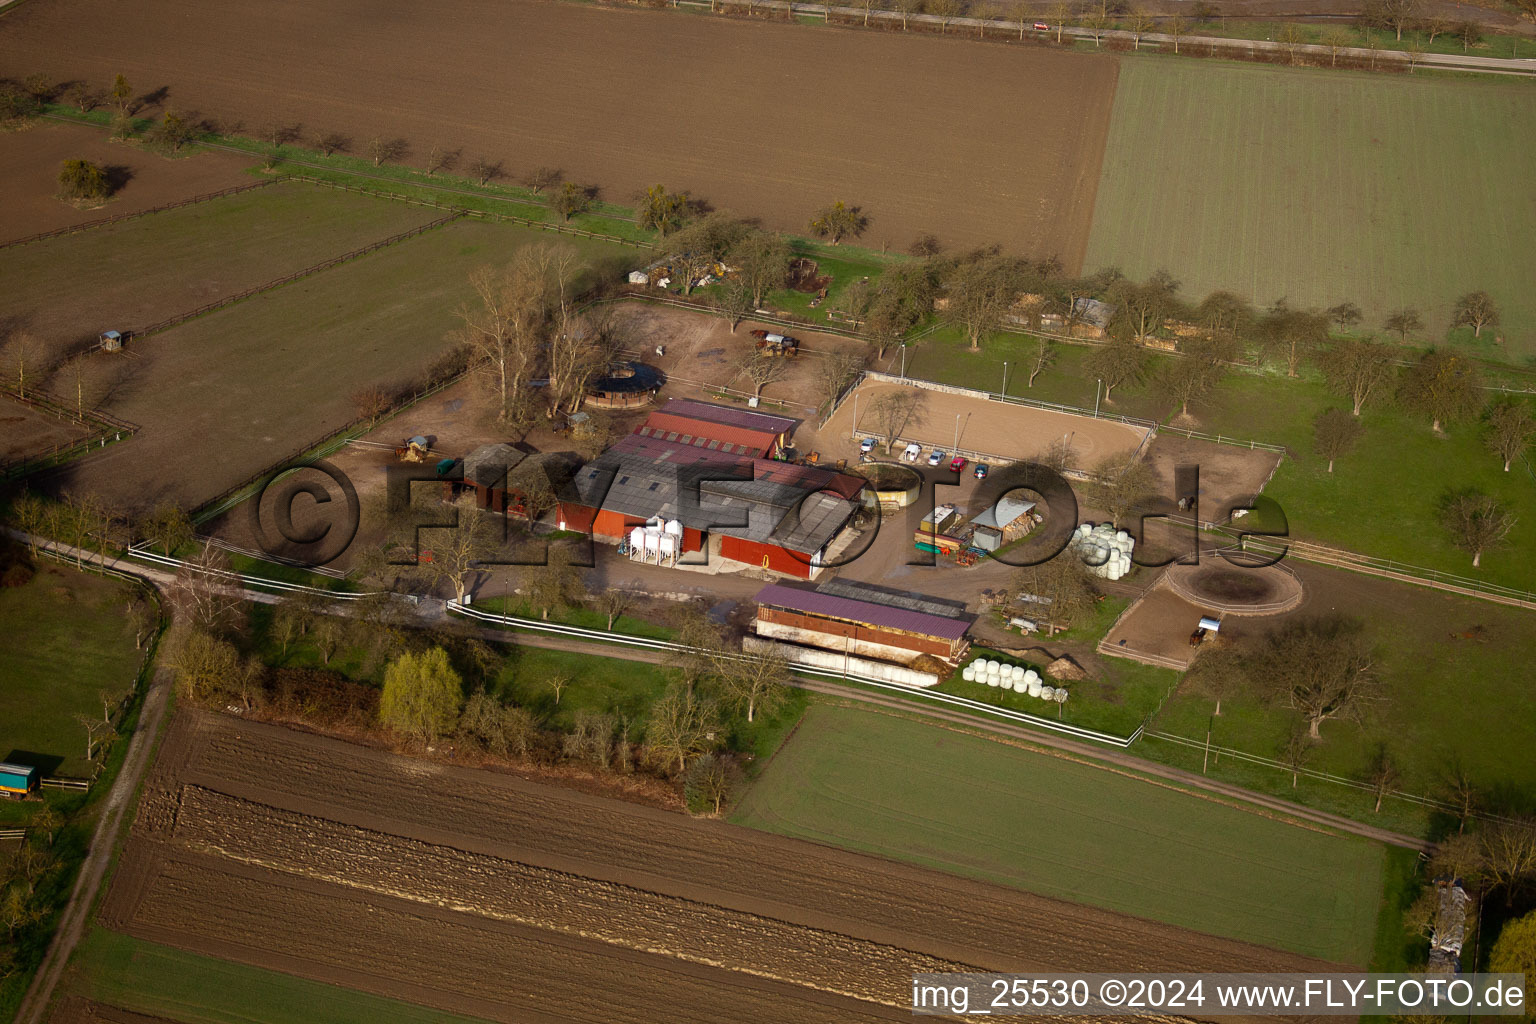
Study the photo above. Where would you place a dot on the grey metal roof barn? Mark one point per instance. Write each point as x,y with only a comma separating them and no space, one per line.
1006,511
795,507
487,465
857,591
812,602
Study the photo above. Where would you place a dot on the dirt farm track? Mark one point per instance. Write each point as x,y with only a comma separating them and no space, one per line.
770,121
484,894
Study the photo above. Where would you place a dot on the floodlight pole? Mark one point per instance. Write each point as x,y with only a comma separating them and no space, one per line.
903,360
957,431
853,431
1097,387
1005,378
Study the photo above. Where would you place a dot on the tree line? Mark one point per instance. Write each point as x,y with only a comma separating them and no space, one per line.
445,686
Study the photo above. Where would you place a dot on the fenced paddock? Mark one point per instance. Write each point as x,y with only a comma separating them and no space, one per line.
988,428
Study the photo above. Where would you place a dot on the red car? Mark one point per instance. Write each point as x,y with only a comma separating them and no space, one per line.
1041,26
957,463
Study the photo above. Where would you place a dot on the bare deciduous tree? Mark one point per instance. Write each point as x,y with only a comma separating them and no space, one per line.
710,780
754,681
1318,667
1121,362
1476,310
946,11
555,583
1334,433
1382,774
982,287
541,178
1291,334
1443,385
839,369
761,370
331,143
1358,368
682,724
484,170
207,595
1475,521
1403,323
761,260
1138,22
1056,591
1509,854
613,602
1121,489
453,553
385,151
1511,428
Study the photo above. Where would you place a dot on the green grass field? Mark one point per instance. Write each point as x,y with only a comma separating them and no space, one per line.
1443,697
1381,498
168,983
257,380
71,641
904,789
1320,186
144,270
1117,701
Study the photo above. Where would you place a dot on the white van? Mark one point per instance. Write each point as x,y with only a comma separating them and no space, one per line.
913,451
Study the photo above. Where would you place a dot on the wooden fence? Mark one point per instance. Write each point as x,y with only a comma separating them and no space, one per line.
106,429
308,453
119,218
1386,568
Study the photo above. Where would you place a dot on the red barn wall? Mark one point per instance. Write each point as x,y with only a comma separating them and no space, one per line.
767,556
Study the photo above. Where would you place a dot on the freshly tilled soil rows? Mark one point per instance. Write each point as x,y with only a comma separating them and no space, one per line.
976,143
582,907
495,896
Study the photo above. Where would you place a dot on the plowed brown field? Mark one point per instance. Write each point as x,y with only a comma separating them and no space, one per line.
494,896
976,143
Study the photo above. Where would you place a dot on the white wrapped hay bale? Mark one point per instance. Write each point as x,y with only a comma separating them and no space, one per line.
1047,693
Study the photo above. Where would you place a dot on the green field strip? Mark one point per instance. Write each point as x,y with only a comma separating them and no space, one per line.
161,981
975,807
1322,186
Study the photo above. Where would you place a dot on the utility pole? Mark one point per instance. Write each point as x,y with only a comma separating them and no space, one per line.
957,431
853,431
1098,386
903,360
1005,378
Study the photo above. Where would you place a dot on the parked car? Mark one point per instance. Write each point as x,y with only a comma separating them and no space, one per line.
957,463
912,452
935,457
866,446
1041,26
981,470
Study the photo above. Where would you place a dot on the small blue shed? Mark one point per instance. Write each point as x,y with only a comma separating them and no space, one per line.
17,779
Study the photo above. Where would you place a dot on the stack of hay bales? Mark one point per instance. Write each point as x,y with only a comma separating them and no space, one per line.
1105,550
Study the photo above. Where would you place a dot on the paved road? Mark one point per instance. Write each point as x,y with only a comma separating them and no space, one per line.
76,914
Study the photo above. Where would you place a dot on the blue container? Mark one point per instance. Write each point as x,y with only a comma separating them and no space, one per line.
17,779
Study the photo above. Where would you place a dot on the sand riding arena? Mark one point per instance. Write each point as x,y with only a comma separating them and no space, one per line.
983,427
